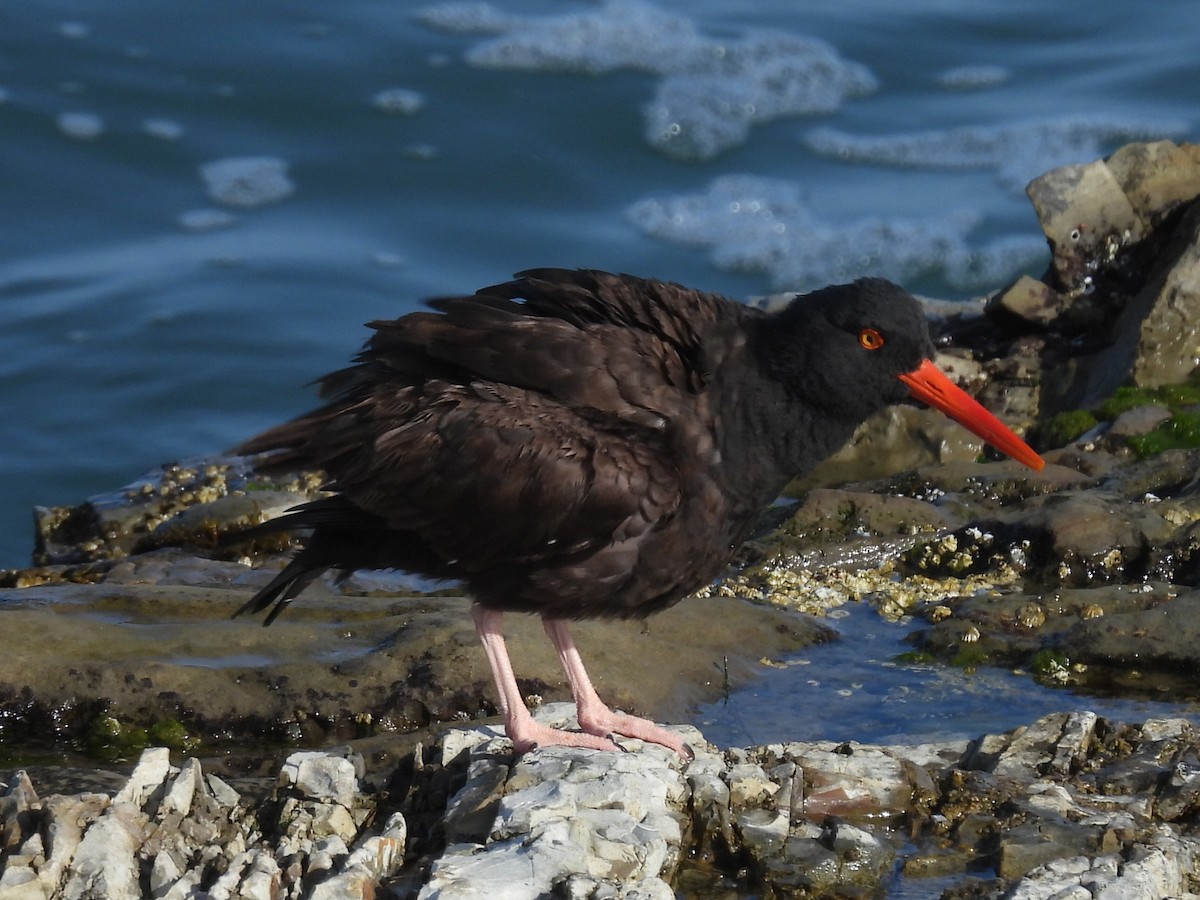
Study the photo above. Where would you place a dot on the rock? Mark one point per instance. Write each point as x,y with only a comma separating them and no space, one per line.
147,778
120,663
105,864
1083,209
164,836
1167,334
1033,302
1124,235
1140,420
319,776
377,859
1067,804
18,800
569,814
1055,744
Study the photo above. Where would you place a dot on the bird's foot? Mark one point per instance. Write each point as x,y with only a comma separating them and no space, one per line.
530,735
603,721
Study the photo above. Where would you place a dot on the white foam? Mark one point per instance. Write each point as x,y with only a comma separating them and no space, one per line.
74,30
758,79
712,89
466,18
970,78
1018,152
398,101
247,181
761,225
81,126
206,219
163,129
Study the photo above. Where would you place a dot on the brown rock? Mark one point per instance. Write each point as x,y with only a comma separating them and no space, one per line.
1032,301
1082,209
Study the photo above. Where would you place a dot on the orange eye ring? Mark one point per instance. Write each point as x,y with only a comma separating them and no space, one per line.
870,339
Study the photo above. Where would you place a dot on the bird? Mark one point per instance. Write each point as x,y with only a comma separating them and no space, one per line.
578,444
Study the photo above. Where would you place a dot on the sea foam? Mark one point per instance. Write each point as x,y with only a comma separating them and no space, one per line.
711,90
761,225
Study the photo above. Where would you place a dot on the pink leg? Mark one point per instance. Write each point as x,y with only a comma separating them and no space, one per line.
519,725
594,716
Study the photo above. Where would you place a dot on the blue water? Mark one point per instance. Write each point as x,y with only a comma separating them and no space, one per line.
401,151
856,689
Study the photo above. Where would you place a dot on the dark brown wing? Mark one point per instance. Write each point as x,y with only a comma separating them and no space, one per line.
629,347
489,474
531,421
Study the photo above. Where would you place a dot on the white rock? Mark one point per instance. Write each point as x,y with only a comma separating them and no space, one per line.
33,850
67,817
105,866
866,781
458,740
262,881
378,858
20,883
320,776
1163,728
186,888
333,819
749,786
152,769
165,871
222,792
523,810
516,869
181,792
326,854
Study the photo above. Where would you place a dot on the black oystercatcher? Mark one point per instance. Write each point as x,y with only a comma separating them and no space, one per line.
578,444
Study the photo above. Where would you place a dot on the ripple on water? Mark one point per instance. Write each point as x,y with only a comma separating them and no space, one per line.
1017,151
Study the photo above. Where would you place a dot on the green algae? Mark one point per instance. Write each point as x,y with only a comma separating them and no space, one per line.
1181,431
1173,396
1063,428
970,656
109,739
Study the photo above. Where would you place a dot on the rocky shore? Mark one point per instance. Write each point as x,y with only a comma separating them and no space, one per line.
1070,806
1083,575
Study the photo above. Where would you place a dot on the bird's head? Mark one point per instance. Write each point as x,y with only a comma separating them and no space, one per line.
854,348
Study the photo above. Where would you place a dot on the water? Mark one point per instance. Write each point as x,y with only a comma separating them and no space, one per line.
150,314
856,689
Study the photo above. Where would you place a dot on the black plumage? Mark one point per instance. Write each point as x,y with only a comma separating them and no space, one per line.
580,444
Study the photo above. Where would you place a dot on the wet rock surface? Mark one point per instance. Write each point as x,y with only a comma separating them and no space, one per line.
117,643
150,653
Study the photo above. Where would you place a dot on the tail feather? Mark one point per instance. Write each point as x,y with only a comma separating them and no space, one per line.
323,551
341,536
283,588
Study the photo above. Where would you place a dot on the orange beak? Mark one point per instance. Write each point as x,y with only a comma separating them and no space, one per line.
929,385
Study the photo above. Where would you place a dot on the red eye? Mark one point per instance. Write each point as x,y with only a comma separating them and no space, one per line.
870,339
